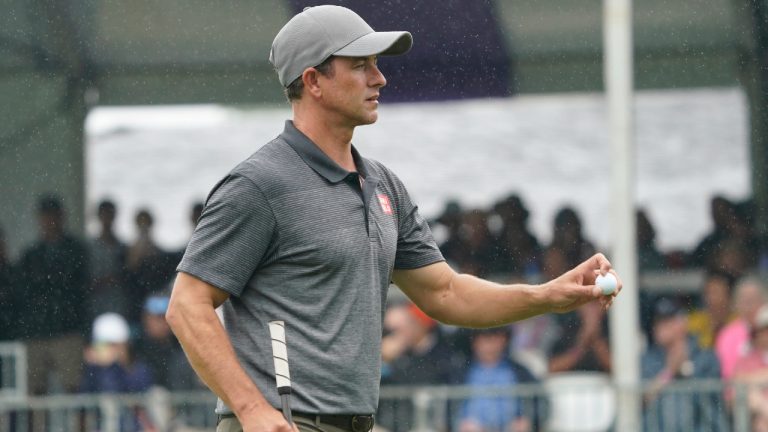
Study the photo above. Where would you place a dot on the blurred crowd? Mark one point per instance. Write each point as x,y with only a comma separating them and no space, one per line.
713,332
91,313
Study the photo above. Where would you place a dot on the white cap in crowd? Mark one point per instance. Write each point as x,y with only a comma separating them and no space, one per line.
110,328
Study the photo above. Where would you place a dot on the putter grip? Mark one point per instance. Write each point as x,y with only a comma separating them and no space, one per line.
280,355
285,400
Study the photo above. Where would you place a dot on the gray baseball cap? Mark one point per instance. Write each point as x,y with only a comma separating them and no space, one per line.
319,32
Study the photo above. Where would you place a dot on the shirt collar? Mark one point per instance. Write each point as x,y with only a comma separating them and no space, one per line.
316,159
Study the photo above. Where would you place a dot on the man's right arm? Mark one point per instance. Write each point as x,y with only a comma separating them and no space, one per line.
192,317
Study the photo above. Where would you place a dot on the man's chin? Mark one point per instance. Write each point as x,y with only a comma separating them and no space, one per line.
369,119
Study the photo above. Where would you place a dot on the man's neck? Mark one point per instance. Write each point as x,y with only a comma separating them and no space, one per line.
333,139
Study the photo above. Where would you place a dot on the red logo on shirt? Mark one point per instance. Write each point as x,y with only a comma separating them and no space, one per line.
386,207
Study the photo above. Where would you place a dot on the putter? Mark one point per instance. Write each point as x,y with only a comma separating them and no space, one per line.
282,375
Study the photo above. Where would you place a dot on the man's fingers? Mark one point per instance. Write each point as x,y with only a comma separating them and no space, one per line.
602,263
606,302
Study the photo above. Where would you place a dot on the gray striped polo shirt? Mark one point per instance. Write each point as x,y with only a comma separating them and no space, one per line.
294,237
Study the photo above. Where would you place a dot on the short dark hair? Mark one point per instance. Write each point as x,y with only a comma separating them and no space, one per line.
107,205
50,203
294,89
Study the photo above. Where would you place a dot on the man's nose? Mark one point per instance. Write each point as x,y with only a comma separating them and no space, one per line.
377,80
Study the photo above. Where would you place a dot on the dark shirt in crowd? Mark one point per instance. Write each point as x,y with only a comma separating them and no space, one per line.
53,285
116,378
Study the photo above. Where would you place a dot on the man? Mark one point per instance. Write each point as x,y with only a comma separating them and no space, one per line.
107,261
160,349
53,288
517,250
675,355
308,231
149,268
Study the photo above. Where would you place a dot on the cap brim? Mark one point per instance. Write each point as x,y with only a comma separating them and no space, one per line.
378,43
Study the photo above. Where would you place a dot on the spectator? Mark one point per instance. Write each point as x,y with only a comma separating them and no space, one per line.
568,237
752,370
53,278
474,254
149,268
649,256
423,357
490,367
160,349
478,243
675,355
723,215
107,260
706,323
732,342
583,342
111,367
413,354
517,249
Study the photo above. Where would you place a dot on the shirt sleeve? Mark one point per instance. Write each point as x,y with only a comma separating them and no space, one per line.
233,236
415,245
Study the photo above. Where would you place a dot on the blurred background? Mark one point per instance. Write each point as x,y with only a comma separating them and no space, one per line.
119,117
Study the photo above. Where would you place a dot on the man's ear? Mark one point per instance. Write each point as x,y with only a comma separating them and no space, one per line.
311,84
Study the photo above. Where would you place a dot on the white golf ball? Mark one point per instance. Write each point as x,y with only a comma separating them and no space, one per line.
607,284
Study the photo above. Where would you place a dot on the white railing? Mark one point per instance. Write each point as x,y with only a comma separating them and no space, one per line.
570,402
157,410
13,370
